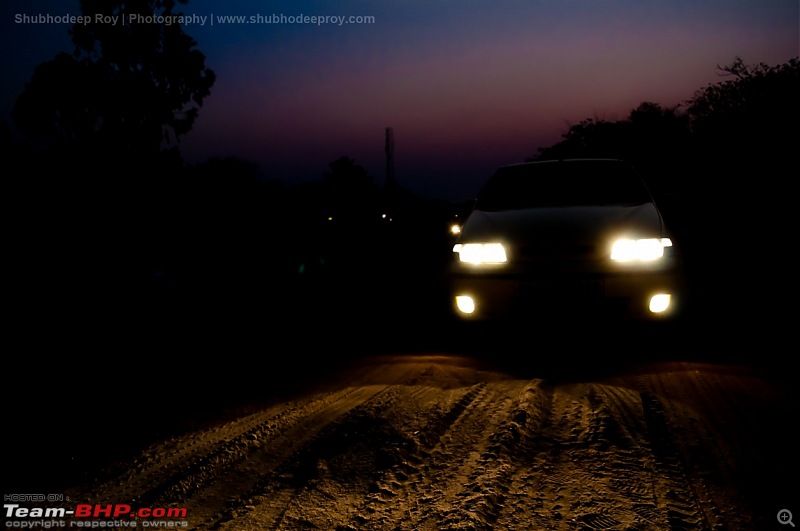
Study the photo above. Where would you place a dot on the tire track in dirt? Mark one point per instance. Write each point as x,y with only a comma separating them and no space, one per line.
726,467
340,460
236,488
177,472
162,466
165,464
617,457
512,442
675,488
447,484
391,443
584,452
713,449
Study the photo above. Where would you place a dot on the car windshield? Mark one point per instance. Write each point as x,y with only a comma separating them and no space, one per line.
562,184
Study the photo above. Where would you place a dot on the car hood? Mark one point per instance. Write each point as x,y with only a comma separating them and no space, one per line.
574,223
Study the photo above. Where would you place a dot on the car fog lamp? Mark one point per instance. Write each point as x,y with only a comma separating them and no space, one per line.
465,304
660,302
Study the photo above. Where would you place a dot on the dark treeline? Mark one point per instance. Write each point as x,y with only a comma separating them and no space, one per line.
702,147
175,242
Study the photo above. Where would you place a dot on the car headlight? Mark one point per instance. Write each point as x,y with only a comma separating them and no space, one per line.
481,253
641,250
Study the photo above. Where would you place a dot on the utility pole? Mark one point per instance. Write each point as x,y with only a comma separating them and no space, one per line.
390,179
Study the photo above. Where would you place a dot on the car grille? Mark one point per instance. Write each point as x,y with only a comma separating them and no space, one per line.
557,250
561,288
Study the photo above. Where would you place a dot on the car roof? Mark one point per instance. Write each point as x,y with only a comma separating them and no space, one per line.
614,182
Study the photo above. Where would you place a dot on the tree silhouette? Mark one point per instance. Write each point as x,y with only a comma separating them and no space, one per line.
751,116
742,126
652,137
100,158
129,89
350,192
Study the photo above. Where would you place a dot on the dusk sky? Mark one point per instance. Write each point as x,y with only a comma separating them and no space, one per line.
465,85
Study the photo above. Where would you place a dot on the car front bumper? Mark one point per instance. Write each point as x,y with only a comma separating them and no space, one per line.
625,294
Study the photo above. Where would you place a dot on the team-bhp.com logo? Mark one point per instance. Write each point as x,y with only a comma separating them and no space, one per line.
93,515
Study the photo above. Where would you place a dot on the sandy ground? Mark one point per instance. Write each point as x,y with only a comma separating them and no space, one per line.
426,439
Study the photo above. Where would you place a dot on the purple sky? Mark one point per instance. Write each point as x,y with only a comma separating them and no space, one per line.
466,85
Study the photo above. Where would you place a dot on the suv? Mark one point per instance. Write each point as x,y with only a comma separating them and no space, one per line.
576,237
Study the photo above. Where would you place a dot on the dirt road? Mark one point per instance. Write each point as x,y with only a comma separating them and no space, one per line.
444,441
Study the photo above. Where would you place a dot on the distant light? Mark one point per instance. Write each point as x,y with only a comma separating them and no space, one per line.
330,218
455,228
383,216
